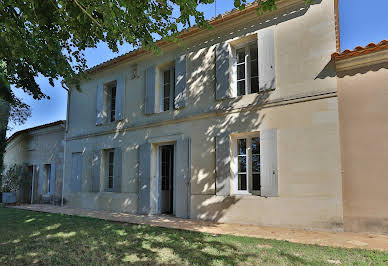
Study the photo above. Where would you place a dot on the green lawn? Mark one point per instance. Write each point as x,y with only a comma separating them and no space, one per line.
29,237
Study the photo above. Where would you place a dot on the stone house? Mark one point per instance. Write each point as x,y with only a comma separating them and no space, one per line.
41,150
239,125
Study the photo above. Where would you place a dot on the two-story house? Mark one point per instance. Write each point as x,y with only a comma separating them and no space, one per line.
239,125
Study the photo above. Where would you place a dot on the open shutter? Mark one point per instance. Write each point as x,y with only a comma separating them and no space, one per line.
144,178
269,164
117,170
120,98
96,166
182,178
222,71
150,90
266,54
40,180
100,104
52,179
180,82
76,172
223,164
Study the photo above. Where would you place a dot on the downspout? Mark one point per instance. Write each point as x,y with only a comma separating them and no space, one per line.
64,138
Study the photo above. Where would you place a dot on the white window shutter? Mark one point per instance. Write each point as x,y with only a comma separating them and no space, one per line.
96,166
150,90
144,178
269,164
222,71
120,98
180,83
266,56
100,104
223,164
182,178
40,180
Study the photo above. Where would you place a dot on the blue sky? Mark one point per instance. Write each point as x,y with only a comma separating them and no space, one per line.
361,22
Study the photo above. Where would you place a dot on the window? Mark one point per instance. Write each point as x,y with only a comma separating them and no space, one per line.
247,69
247,161
112,98
48,176
110,170
167,89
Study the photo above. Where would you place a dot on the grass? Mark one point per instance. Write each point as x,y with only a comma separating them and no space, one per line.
28,237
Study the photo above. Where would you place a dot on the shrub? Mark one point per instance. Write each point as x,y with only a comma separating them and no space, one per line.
14,178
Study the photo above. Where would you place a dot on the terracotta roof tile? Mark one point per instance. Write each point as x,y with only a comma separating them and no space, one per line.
359,50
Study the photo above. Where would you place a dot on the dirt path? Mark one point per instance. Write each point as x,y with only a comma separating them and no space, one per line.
323,238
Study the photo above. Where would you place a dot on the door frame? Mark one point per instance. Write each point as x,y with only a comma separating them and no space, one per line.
159,177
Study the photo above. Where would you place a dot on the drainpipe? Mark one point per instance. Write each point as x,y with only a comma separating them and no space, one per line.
64,138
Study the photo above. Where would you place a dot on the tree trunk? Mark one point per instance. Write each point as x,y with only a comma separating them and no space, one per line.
4,116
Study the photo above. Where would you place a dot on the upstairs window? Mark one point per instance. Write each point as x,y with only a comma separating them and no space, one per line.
246,67
247,163
167,89
112,96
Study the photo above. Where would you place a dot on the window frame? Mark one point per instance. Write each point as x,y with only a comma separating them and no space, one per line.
170,68
249,171
248,88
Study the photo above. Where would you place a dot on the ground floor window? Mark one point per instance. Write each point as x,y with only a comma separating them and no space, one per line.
247,164
110,169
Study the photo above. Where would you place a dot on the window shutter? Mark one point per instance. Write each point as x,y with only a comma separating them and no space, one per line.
223,165
266,55
182,178
120,98
117,169
180,82
96,166
150,90
76,172
144,178
269,164
222,71
40,179
52,179
100,104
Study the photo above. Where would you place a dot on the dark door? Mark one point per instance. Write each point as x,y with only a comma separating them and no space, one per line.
167,177
27,185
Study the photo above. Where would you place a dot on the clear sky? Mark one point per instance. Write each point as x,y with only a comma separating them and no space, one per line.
361,22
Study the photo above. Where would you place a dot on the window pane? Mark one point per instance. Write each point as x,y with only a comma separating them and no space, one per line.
240,55
111,157
241,88
166,104
253,51
242,182
240,71
256,163
110,182
166,77
256,182
242,146
255,145
254,85
242,164
254,68
113,104
110,170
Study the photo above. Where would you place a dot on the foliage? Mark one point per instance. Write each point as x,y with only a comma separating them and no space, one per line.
14,178
270,5
28,237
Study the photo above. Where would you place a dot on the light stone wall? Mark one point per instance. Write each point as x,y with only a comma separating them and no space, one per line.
303,108
363,114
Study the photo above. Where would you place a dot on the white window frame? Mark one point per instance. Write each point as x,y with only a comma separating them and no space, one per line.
249,172
246,46
161,88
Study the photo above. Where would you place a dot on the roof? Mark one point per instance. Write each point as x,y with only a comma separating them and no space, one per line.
359,50
221,18
52,124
